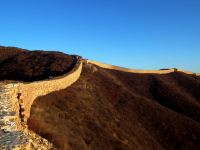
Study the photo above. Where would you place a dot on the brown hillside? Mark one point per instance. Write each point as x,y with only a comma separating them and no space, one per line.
24,65
112,110
8,52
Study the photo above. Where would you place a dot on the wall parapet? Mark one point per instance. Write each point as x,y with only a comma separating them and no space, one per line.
27,92
112,67
30,91
21,96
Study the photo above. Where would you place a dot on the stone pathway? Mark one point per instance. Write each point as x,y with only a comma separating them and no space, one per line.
10,137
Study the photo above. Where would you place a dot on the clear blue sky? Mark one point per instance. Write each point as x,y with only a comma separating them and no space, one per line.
141,34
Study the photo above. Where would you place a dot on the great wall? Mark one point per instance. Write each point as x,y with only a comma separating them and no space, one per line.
16,99
107,66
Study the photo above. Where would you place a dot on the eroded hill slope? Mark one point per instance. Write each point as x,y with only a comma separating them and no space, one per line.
107,109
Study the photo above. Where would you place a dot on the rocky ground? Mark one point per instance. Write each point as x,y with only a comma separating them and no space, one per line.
10,136
24,65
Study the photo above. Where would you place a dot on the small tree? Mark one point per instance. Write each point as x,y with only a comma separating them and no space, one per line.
175,69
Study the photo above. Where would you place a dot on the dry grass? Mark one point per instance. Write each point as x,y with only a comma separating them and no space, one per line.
114,110
23,65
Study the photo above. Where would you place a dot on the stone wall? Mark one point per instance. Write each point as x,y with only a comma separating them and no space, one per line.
107,66
24,94
30,91
20,96
16,99
12,134
188,72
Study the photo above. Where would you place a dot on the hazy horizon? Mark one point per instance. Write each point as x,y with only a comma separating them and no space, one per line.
134,34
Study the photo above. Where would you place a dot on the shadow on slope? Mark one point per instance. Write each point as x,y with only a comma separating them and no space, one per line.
114,110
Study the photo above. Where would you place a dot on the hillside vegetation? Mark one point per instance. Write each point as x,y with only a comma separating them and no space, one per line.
108,109
113,110
24,65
